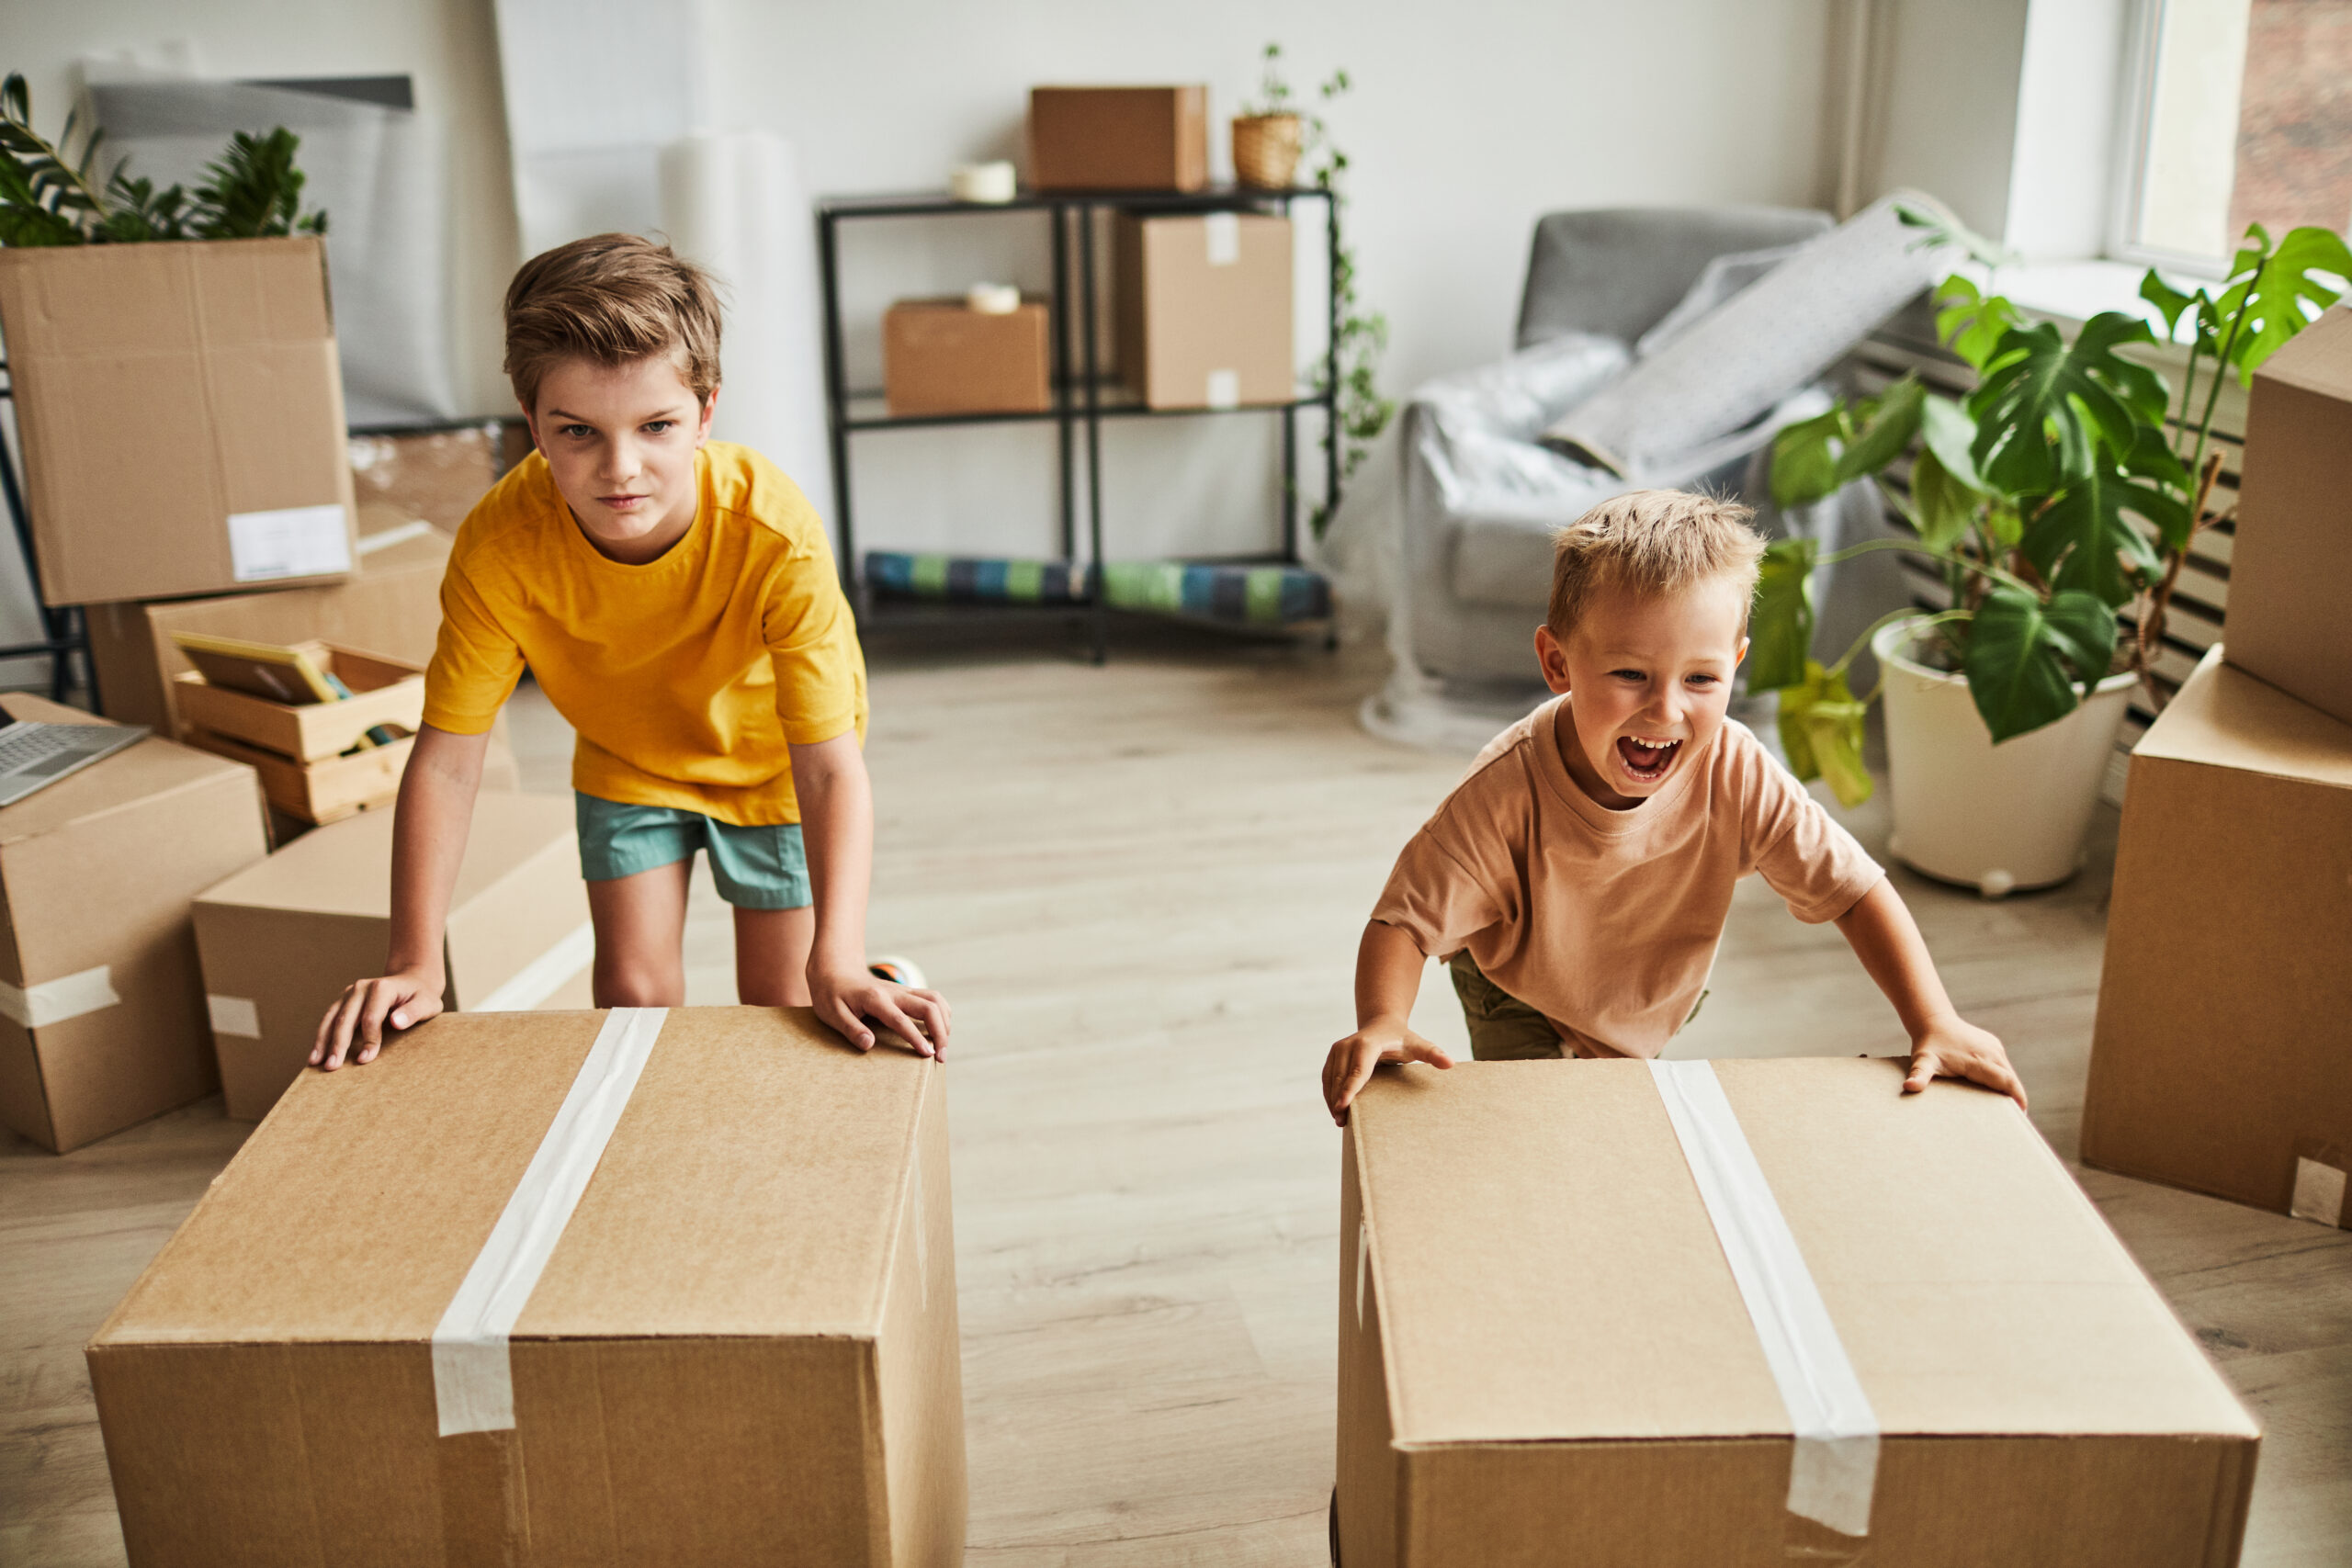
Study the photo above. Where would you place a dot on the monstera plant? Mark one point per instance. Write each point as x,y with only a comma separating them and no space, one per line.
2067,486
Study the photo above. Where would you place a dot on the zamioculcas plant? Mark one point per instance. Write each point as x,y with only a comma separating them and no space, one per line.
2068,486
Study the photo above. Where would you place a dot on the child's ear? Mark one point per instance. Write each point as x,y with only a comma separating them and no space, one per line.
709,407
1740,657
1552,657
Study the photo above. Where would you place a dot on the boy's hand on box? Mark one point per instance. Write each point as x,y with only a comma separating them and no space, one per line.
354,1028
1349,1066
853,1002
1955,1048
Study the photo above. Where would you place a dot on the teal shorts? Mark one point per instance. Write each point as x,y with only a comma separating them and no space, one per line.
756,868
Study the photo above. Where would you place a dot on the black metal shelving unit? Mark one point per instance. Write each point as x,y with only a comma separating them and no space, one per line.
65,630
1082,402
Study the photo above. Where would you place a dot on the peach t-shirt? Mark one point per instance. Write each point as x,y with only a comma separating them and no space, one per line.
1606,921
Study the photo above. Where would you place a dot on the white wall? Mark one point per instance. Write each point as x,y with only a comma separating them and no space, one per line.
1468,122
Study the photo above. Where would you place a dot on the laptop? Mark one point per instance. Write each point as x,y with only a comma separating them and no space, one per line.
33,754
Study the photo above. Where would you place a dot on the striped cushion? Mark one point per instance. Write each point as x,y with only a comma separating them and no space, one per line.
1242,596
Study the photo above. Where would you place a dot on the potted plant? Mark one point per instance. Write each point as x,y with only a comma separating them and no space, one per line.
1269,134
2067,486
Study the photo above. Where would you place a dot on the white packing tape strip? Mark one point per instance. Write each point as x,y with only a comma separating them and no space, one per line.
537,980
1363,1251
474,1384
399,533
2319,1193
239,1016
1222,231
54,1001
1223,390
1835,1469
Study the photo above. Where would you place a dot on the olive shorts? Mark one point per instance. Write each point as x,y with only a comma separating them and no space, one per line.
1503,1027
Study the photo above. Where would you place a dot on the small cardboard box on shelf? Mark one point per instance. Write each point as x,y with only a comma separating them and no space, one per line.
2221,1057
281,939
1732,1314
101,1004
1119,138
1203,305
621,1281
942,357
386,694
181,405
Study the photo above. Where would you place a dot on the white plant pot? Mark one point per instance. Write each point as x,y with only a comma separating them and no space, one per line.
1998,819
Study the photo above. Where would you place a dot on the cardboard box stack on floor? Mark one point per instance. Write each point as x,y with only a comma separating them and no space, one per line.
1203,306
181,406
281,939
1738,1314
101,1006
612,1288
2222,1058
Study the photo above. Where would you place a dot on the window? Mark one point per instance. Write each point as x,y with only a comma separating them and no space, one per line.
2244,114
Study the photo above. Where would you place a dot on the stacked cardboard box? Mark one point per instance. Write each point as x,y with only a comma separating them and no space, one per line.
943,356
101,1009
320,761
1564,1335
2222,1058
1204,309
281,939
738,1343
1119,138
435,475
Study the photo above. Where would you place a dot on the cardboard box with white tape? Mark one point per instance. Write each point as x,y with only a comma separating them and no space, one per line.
101,1006
556,1289
1733,1314
182,411
282,938
2221,1059
1203,306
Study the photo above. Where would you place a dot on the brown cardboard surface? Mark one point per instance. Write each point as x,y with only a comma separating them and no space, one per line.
942,357
2222,1058
383,692
2291,563
391,605
742,1348
281,939
436,475
1189,313
162,388
1551,1341
1118,138
96,870
321,792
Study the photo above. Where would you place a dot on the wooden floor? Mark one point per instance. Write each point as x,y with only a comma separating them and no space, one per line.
1141,886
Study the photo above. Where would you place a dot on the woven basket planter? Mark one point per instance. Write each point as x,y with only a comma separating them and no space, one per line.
1265,149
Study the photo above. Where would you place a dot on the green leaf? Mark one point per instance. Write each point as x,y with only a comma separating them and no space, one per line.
254,190
2024,656
1821,725
2047,408
2086,539
1888,423
1942,507
1971,322
1779,629
1804,457
1942,229
2170,302
1950,432
2267,303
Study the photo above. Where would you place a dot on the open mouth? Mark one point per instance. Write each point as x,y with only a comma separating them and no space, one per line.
1647,760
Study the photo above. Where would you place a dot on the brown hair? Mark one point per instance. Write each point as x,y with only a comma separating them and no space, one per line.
611,299
1654,543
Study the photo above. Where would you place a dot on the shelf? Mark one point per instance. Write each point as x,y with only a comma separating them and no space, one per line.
932,203
867,410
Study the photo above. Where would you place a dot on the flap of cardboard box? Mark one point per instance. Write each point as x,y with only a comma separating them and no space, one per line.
2317,359
755,1185
1546,1269
147,769
2227,718
345,869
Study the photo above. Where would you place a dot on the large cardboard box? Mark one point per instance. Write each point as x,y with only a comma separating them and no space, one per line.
1546,1356
435,475
739,1348
1203,306
101,1009
282,938
2291,563
181,406
943,356
1118,138
391,606
2222,1058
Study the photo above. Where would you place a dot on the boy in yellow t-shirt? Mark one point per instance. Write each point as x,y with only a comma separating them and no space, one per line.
675,599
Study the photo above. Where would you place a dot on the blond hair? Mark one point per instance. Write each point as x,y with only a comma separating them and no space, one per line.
1652,543
613,300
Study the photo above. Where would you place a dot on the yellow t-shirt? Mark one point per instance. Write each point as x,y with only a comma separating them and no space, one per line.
689,678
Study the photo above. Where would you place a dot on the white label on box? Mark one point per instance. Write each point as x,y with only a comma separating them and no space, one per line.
293,541
2319,1193
1225,238
1225,388
234,1015
54,1001
537,980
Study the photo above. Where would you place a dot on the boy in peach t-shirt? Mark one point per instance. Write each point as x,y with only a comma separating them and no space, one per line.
1579,878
